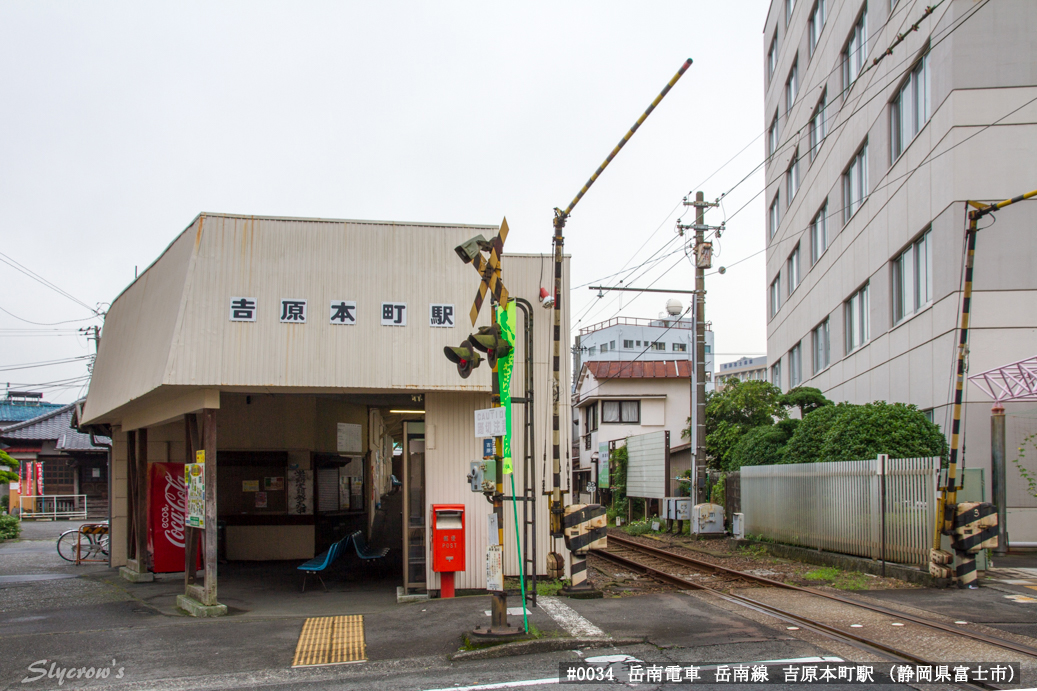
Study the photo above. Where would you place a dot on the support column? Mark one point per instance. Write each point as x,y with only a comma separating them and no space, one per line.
997,476
200,600
136,569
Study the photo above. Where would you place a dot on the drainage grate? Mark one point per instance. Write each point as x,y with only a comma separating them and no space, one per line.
331,641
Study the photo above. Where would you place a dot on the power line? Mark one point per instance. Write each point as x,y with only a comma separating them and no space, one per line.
27,321
45,363
40,279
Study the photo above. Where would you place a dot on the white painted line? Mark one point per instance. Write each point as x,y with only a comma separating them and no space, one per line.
501,685
568,618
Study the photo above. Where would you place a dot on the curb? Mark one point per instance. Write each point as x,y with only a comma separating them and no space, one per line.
541,645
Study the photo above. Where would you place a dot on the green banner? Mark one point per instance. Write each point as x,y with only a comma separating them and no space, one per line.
505,365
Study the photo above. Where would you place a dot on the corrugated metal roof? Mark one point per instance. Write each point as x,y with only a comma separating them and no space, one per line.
171,326
662,369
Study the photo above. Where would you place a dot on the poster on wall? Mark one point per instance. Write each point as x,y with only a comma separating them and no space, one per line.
167,501
261,500
300,492
250,485
273,484
603,465
494,568
194,479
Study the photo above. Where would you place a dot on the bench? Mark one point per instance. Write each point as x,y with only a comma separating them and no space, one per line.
321,562
365,552
324,560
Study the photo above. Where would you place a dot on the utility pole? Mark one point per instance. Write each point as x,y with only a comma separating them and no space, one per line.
703,260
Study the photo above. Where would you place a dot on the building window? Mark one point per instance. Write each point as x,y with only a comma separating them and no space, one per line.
772,56
910,109
856,52
774,214
776,295
680,347
792,269
789,5
816,23
792,179
857,320
791,88
819,125
658,345
593,350
772,136
628,412
591,417
708,349
612,345
822,347
604,348
628,344
913,278
795,366
855,183
819,234
776,374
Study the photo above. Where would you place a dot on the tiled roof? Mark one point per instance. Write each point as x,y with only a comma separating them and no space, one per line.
53,426
20,411
660,369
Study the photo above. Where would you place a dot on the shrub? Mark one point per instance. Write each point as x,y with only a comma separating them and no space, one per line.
848,432
10,528
762,445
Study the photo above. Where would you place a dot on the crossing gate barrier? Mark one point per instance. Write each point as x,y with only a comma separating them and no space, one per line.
975,529
585,527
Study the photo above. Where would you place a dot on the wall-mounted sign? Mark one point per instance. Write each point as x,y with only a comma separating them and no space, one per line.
494,568
441,315
394,314
350,438
490,422
343,312
293,311
242,309
300,492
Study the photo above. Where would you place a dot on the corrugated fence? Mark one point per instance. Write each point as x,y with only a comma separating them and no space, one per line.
837,506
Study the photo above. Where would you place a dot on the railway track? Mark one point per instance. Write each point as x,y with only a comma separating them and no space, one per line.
691,573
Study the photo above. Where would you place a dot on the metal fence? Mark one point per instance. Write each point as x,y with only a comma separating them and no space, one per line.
838,506
53,506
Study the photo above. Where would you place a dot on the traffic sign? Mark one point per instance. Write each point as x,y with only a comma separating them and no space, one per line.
490,422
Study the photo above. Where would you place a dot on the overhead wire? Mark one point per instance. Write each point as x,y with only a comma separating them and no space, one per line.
14,264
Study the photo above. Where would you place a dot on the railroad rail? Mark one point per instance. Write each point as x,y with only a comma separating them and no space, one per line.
661,564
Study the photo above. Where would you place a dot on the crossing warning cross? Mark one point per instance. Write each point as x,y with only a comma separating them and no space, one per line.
489,270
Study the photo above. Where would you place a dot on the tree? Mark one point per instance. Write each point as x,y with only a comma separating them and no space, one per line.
806,398
763,445
855,432
7,462
732,412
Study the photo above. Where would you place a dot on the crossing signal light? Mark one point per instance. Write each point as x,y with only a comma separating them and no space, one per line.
464,356
489,340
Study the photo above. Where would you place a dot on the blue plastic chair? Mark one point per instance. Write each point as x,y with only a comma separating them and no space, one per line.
321,562
365,552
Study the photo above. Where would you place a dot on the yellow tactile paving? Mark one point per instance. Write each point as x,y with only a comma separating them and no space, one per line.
331,641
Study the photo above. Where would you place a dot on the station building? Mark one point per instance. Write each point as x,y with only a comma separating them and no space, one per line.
316,347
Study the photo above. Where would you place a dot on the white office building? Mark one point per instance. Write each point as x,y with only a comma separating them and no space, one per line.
871,158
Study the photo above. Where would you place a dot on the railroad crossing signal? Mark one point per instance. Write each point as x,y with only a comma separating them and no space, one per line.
465,357
489,340
489,269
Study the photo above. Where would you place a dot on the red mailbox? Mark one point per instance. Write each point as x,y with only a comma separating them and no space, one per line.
448,544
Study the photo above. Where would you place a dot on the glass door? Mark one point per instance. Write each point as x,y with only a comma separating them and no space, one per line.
415,550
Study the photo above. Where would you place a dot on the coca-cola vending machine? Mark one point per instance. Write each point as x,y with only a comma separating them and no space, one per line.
167,510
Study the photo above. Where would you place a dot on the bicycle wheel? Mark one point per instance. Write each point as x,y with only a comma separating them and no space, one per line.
104,544
67,545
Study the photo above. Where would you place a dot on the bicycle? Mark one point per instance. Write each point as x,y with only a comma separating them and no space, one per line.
92,546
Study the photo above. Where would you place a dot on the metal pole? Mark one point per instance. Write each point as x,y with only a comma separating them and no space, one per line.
997,472
499,598
559,224
882,509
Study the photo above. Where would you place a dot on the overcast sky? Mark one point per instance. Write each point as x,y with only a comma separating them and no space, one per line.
120,122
